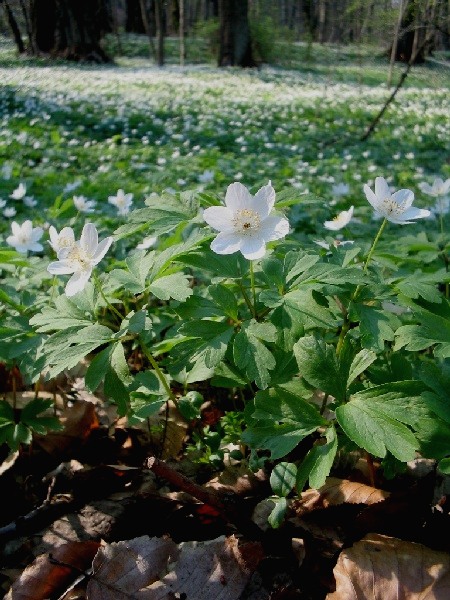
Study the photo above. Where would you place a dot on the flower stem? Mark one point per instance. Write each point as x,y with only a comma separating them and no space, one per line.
252,283
158,372
98,285
346,324
247,299
375,242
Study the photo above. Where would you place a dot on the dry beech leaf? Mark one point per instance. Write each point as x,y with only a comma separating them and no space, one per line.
44,579
217,569
123,568
384,568
238,479
338,491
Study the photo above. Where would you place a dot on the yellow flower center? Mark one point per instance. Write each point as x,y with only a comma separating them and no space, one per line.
246,220
390,207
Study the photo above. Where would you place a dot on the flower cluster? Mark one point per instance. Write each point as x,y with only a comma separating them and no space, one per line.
77,258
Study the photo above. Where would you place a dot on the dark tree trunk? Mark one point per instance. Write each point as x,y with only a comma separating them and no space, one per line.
13,26
134,22
408,37
235,41
69,29
159,17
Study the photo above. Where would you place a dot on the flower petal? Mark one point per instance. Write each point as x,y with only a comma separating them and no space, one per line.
60,267
77,282
15,228
404,197
89,238
274,228
264,200
226,243
35,246
253,247
413,213
101,250
371,197
219,217
36,234
382,190
237,196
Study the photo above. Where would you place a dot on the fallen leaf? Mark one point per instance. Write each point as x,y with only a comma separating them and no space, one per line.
338,491
218,569
123,568
381,567
45,579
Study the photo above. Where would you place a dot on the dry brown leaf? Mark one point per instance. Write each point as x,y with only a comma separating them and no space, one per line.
239,479
384,568
21,399
218,569
123,568
338,491
44,579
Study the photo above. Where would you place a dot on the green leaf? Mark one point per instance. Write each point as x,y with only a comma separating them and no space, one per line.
316,465
318,365
282,478
225,300
423,284
280,420
363,359
251,355
376,418
211,341
444,466
176,286
375,325
278,513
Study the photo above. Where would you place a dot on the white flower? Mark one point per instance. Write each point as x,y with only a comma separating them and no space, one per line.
80,258
340,189
441,207
19,192
62,240
84,205
9,212
6,171
2,203
70,187
395,207
206,176
336,243
244,222
439,187
342,219
147,242
25,237
29,201
122,202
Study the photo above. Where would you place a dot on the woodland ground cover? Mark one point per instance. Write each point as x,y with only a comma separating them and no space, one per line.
275,363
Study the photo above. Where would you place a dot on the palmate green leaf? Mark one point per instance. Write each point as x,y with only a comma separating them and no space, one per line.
296,263
276,517
289,324
15,434
318,365
433,330
251,355
375,325
162,214
377,419
111,358
424,285
279,421
318,275
176,286
228,266
316,465
211,340
65,349
224,298
65,314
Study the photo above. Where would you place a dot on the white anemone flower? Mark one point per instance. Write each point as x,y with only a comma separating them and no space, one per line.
19,192
82,204
62,240
122,202
30,201
9,212
340,221
80,259
395,207
336,243
25,237
245,223
438,188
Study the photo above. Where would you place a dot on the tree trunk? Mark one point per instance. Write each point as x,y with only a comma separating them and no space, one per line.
14,27
69,29
408,37
159,16
235,42
182,45
134,22
146,20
